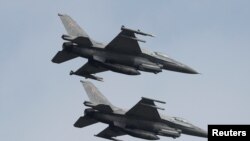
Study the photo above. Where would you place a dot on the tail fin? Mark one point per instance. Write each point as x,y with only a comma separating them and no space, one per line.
72,27
77,34
94,94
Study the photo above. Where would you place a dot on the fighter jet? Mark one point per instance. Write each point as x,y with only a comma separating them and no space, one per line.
123,54
141,121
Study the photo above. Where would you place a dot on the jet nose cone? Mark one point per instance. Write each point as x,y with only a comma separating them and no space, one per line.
189,70
174,65
202,133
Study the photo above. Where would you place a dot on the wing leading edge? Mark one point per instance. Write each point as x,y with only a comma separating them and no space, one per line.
126,42
110,133
89,68
146,109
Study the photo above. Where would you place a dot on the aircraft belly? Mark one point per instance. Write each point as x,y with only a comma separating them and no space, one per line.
120,59
129,122
110,57
120,68
84,52
108,118
141,124
141,134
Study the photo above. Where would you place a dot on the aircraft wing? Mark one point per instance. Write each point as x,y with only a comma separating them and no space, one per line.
125,42
145,109
89,68
110,133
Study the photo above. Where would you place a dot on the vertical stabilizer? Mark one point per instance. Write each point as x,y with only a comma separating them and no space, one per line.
72,27
95,96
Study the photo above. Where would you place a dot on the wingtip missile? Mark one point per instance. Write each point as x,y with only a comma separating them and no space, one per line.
133,38
136,31
163,102
93,77
156,107
150,35
109,138
87,76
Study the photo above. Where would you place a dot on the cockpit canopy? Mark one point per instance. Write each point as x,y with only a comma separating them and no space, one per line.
158,55
181,119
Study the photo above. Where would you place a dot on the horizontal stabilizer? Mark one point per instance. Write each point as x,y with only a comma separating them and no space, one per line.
84,121
63,56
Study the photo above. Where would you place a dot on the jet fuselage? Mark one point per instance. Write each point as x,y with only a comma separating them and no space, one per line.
129,64
162,127
122,55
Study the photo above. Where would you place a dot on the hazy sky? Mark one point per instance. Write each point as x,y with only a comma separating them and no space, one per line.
40,101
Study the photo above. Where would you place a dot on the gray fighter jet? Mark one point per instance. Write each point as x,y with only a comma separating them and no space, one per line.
123,54
141,121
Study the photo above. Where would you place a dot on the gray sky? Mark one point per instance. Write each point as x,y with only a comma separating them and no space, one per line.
40,101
